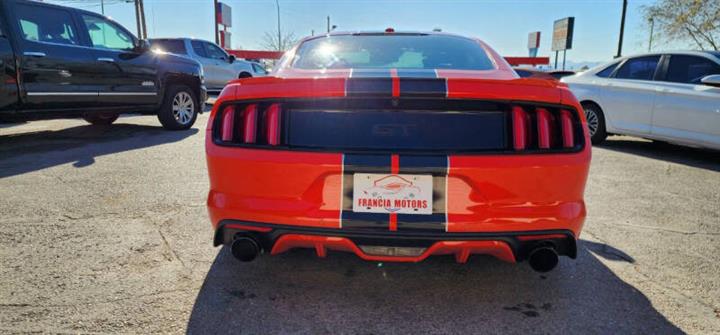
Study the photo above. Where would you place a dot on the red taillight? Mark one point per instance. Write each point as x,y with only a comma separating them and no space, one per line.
566,125
520,128
543,128
272,124
249,124
228,123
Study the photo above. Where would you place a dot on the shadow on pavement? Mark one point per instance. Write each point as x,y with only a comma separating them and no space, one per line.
296,292
701,158
27,152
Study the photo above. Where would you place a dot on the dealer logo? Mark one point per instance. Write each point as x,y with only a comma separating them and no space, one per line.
392,193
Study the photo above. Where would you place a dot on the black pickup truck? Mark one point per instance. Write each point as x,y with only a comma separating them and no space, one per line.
63,62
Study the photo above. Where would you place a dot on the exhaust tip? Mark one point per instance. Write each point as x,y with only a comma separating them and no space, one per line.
245,249
543,259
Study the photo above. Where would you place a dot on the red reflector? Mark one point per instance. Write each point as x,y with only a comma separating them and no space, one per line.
519,128
249,123
273,124
228,123
567,129
543,128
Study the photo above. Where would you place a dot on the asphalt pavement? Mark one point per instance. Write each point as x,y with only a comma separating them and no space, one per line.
104,229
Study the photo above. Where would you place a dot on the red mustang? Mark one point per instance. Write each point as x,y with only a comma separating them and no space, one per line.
398,146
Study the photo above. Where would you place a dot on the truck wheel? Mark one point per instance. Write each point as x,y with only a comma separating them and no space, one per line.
180,108
596,122
100,119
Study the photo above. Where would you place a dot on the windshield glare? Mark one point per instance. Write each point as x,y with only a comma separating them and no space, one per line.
392,51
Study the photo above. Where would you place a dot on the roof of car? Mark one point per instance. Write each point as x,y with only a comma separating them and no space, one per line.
382,32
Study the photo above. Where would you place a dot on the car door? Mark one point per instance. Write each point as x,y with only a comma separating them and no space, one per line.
226,72
685,109
9,90
127,76
53,61
629,97
213,77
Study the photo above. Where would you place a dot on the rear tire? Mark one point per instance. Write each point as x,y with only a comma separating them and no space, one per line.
180,108
596,122
100,119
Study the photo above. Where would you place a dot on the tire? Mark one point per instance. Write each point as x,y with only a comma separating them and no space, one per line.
180,108
244,75
596,122
100,119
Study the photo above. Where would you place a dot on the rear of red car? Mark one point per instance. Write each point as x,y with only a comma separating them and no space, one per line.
397,147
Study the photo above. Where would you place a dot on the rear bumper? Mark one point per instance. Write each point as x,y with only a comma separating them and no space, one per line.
398,246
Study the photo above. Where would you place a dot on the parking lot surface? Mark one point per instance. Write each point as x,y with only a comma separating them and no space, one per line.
104,229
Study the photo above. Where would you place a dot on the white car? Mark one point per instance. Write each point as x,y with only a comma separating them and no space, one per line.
219,66
672,97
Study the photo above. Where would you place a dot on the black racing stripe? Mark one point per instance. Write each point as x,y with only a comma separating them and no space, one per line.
435,165
423,87
369,82
359,163
429,223
370,73
417,73
365,221
367,163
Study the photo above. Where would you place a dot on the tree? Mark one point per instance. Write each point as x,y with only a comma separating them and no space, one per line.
270,41
694,21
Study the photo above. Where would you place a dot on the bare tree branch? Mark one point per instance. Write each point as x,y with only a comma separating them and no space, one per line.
695,21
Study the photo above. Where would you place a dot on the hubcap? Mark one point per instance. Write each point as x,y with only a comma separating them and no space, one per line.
592,120
183,107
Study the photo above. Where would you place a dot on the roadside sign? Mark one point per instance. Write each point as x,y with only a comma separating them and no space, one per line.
563,34
533,43
224,15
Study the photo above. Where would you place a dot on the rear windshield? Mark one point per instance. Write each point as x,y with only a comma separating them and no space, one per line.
385,51
171,46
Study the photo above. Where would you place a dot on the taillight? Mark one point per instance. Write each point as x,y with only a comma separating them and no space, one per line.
239,124
272,124
543,128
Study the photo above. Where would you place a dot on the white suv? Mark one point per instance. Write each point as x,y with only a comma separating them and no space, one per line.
672,96
219,66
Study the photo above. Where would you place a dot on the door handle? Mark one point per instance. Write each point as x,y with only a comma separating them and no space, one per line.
106,60
34,54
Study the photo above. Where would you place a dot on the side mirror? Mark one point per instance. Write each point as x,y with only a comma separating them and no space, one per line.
142,46
231,59
711,80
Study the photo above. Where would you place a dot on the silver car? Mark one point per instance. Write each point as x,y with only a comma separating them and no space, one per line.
219,66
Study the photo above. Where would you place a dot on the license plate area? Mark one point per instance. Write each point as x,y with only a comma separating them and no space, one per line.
392,193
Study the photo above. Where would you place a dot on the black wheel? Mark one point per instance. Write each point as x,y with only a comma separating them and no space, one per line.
180,108
100,119
596,122
244,75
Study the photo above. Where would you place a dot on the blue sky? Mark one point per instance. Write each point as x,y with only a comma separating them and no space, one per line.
503,24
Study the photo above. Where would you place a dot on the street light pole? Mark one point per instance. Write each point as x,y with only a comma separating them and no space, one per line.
622,29
652,27
215,13
102,7
280,47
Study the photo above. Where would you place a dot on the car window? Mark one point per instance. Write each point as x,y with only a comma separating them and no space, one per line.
214,52
46,24
690,69
641,68
107,35
606,72
171,46
259,69
198,48
386,51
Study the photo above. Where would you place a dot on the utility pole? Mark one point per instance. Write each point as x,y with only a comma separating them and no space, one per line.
328,24
215,13
280,46
142,19
137,18
622,29
102,7
652,27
